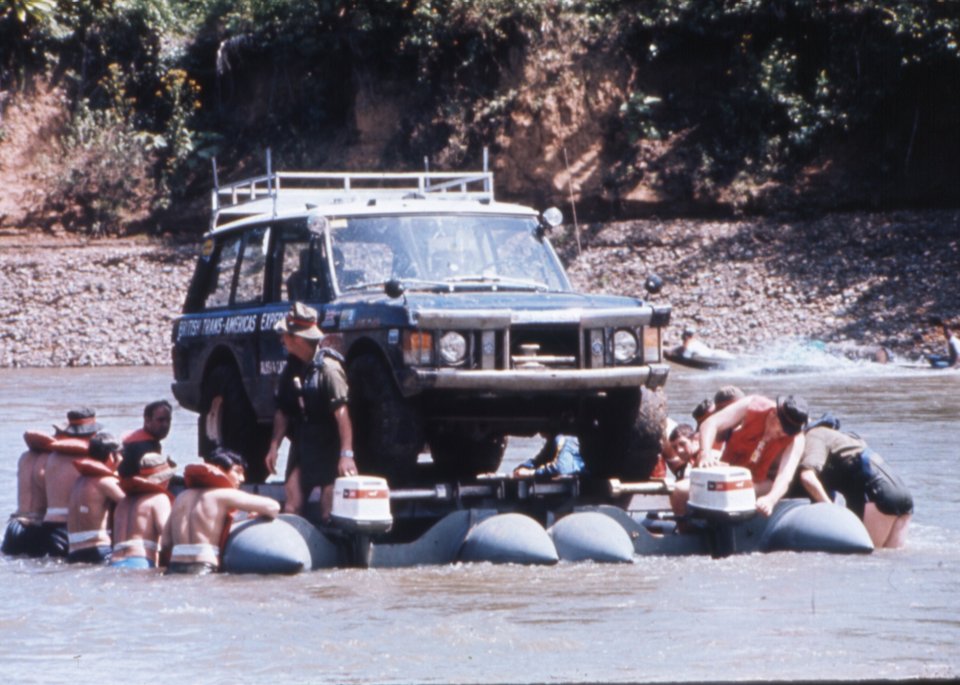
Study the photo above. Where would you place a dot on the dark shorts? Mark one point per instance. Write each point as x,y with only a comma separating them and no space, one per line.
55,540
91,555
316,456
23,537
192,568
884,488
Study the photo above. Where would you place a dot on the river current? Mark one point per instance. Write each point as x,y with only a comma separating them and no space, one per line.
780,616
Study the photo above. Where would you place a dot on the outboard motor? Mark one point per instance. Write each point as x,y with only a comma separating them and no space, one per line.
722,493
724,496
361,504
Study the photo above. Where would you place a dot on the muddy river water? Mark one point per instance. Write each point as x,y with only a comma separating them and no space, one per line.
891,614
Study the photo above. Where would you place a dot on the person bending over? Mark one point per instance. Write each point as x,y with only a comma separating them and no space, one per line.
834,461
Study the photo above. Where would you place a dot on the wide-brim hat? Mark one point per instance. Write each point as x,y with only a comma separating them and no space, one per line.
81,422
157,468
793,414
300,321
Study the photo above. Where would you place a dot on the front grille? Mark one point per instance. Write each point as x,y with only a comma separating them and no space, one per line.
555,347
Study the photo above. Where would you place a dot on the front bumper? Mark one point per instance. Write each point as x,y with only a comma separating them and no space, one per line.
539,380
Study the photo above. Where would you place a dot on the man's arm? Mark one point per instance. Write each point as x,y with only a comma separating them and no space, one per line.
811,483
725,419
789,461
347,466
279,431
110,488
250,503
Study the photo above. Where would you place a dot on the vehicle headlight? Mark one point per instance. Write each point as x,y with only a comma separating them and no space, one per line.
624,346
453,348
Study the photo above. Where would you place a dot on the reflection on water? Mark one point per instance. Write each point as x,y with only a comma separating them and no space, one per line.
892,614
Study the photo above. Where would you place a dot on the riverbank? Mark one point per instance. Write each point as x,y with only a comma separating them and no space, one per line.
852,279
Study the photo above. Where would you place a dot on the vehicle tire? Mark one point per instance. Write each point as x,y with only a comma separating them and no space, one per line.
387,428
461,457
227,418
620,436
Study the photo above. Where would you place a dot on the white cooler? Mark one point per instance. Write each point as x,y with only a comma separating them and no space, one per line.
362,503
722,491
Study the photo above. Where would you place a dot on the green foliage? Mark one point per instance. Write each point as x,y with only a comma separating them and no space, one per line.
104,165
746,90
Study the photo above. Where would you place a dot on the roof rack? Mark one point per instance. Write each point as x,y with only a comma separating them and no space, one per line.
280,191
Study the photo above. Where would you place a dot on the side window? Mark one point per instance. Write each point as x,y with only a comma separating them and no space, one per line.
300,270
221,273
296,270
250,278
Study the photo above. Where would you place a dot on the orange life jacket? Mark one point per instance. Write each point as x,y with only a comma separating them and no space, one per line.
205,476
73,446
741,448
138,435
37,441
93,468
138,485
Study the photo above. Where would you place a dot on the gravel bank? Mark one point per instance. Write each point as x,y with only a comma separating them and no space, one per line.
852,279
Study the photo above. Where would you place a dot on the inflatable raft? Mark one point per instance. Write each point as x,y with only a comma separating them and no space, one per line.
600,533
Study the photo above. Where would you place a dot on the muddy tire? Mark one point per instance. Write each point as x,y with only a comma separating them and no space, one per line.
620,437
227,418
387,428
461,457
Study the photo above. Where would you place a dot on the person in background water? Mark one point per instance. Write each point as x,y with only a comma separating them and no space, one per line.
157,417
559,456
70,441
951,359
764,431
92,499
834,461
140,517
200,520
312,413
24,534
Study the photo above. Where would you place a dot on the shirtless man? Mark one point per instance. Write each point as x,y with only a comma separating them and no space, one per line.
60,475
24,533
201,516
140,517
92,498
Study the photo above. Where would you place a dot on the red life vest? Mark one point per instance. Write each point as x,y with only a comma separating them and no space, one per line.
37,441
93,468
75,447
138,485
138,435
205,476
741,448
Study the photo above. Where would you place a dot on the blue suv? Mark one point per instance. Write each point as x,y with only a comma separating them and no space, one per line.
457,322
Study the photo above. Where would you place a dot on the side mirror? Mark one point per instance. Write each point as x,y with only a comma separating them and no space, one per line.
653,284
394,288
551,218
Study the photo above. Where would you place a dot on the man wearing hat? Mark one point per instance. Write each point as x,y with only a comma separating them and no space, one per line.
762,432
71,441
139,518
311,400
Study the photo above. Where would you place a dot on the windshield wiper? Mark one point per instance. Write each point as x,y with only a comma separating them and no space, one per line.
416,283
499,280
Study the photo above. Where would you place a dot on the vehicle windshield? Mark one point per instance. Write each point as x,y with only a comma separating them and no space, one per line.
444,251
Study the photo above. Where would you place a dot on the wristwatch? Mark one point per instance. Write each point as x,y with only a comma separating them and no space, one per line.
346,453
